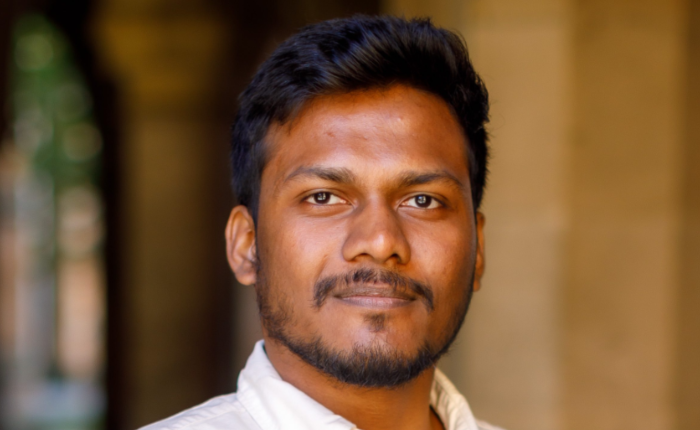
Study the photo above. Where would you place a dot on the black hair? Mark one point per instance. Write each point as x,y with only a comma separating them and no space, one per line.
350,54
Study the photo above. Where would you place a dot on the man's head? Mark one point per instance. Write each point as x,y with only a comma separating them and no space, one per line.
359,53
359,160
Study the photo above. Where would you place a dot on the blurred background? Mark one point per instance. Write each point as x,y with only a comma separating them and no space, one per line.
117,307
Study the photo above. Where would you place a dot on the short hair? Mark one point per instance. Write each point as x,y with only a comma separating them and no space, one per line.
358,53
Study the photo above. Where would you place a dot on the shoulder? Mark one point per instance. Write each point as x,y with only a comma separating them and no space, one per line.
223,412
481,425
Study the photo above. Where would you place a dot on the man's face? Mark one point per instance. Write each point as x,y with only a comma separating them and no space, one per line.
367,242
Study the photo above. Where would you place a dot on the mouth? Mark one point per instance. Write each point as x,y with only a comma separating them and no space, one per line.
372,288
375,297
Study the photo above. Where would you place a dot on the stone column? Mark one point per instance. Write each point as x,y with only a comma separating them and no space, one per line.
165,58
623,257
687,319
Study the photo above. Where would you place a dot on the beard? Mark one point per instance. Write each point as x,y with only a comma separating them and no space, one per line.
377,364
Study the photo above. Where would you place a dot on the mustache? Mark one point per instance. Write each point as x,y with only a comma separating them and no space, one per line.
325,286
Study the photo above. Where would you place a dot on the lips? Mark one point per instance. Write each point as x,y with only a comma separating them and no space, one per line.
372,287
375,296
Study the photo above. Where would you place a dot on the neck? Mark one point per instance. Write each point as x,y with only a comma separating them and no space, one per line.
404,407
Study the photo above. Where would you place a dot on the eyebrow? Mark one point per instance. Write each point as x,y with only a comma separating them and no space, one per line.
344,176
410,179
333,174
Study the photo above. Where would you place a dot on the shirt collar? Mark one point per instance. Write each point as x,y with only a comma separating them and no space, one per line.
276,404
450,405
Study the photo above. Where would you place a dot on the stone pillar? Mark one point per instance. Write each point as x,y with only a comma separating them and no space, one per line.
165,59
622,275
687,375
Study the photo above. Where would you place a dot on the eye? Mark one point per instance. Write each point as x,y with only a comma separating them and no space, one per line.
324,198
422,201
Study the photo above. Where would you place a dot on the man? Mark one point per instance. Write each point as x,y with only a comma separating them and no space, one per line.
359,161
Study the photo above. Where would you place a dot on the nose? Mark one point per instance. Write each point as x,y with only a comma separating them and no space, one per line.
376,235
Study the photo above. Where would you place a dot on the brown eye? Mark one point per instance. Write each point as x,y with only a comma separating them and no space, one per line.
321,198
423,201
324,198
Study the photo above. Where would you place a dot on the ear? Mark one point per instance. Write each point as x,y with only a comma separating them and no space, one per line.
240,245
480,257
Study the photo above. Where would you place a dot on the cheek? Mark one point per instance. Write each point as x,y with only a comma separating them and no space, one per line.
295,253
444,245
447,258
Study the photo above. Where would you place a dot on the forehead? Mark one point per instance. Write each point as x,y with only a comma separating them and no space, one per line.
378,128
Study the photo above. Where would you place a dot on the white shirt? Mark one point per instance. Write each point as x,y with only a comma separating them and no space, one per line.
265,402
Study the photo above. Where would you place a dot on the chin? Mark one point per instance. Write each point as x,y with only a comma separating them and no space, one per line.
370,363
